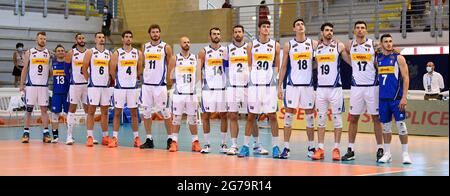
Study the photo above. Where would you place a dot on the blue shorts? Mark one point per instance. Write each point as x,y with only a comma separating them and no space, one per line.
59,101
387,108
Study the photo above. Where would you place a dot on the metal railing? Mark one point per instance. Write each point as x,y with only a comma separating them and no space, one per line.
381,17
87,8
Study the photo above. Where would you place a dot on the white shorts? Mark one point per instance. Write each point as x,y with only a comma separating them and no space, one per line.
237,98
184,104
36,95
99,96
154,97
299,97
125,96
78,93
332,97
214,101
362,97
262,99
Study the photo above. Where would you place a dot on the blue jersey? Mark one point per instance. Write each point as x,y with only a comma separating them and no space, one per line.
61,77
389,77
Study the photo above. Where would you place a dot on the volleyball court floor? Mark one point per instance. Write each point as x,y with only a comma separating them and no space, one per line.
430,156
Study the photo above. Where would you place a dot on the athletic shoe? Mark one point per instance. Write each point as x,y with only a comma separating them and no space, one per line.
90,141
387,157
196,146
46,138
206,149
233,150
319,154
147,144
259,150
223,148
276,152
380,153
349,156
310,152
69,141
26,137
285,153
336,155
173,146
137,142
245,151
112,143
406,158
169,141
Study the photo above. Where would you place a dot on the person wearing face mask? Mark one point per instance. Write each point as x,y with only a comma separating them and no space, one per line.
18,61
106,24
433,83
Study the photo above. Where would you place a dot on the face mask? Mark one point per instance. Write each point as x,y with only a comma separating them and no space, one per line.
20,49
429,69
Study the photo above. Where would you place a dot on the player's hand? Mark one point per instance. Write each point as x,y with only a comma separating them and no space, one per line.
21,88
280,93
403,103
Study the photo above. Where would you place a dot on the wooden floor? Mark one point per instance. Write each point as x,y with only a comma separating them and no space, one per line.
430,156
37,158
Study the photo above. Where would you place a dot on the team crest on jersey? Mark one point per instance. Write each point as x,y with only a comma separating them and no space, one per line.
123,57
210,56
34,55
295,50
232,49
96,52
307,48
295,45
96,56
232,53
255,46
331,50
290,101
76,54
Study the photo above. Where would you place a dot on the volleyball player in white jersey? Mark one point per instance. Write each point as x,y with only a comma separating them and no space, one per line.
154,94
213,61
263,60
360,54
329,89
78,85
185,101
237,89
126,66
97,61
35,73
298,56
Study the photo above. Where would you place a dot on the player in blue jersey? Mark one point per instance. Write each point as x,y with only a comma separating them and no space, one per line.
61,82
393,76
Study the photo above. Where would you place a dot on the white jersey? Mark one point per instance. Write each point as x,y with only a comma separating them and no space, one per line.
214,77
238,71
155,64
300,61
38,67
185,70
99,68
328,69
77,64
263,63
126,76
363,56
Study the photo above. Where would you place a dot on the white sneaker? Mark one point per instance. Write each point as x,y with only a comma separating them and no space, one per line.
54,141
206,149
259,150
70,141
223,148
233,150
387,157
406,158
95,142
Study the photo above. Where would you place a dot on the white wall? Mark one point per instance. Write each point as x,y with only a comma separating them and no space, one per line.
218,3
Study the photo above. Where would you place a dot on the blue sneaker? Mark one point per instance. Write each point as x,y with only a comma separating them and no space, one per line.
285,153
245,152
276,152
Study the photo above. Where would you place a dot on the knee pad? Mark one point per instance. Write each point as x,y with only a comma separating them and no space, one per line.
321,120
288,120
165,113
309,121
30,108
401,127
176,120
387,127
147,113
192,119
337,121
55,117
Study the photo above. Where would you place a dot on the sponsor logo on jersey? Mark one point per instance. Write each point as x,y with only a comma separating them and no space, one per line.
127,63
100,63
239,59
78,63
263,57
152,57
362,57
39,61
215,62
386,70
326,58
302,56
185,69
59,73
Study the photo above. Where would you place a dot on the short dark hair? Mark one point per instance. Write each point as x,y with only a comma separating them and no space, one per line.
59,46
127,32
239,26
214,28
105,6
385,36
74,46
154,26
360,22
261,23
98,33
327,24
41,33
18,45
299,19
78,34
